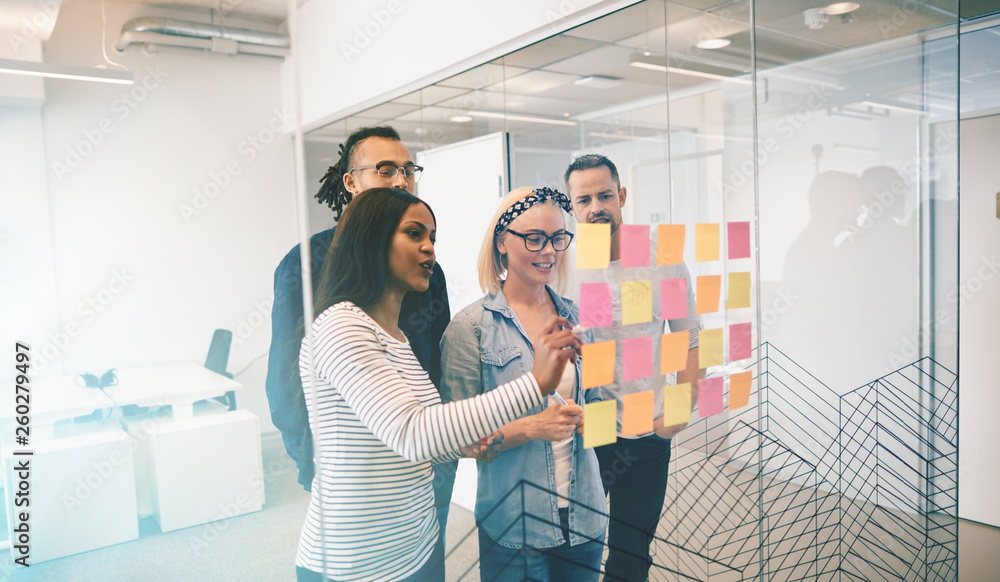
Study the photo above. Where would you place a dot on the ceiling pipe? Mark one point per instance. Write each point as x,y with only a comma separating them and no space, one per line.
183,33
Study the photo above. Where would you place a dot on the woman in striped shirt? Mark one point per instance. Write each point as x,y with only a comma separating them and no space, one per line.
377,419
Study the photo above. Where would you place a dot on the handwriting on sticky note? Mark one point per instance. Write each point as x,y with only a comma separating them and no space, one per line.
739,290
710,396
637,358
595,305
708,289
637,302
673,298
710,347
677,404
634,245
593,246
739,389
674,351
670,244
706,242
600,423
738,239
739,341
637,413
598,362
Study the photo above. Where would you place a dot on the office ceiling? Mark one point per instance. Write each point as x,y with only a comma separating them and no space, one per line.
543,83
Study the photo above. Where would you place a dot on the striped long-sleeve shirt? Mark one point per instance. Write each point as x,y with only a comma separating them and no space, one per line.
379,424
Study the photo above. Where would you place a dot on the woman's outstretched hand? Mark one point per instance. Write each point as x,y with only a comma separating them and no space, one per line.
486,450
557,421
556,346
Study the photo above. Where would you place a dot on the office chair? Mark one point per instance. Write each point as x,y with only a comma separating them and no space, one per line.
218,359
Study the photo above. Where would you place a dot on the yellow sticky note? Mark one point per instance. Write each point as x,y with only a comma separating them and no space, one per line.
593,246
706,242
600,423
673,351
676,405
669,244
739,290
709,347
708,289
637,302
739,389
637,413
598,362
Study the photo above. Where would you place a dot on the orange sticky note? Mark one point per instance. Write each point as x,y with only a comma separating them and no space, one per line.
739,290
600,423
637,413
598,364
637,302
706,242
593,246
676,405
739,389
710,348
673,351
669,244
708,290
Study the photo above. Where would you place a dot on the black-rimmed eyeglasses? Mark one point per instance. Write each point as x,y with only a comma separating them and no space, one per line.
536,241
388,170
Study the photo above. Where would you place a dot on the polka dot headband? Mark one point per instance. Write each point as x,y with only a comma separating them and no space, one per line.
537,197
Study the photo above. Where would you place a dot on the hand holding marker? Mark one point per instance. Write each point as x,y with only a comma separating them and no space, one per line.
578,329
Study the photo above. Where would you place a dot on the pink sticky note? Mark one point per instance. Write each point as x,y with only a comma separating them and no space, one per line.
634,245
739,341
595,304
739,240
710,396
673,298
637,358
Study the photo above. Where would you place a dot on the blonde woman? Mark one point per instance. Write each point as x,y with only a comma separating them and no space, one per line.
551,527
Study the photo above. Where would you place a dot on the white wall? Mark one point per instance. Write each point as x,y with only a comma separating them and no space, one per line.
348,43
144,270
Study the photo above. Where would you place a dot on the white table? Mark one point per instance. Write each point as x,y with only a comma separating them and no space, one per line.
179,385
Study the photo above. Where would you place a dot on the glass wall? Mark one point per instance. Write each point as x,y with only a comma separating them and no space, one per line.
831,132
819,143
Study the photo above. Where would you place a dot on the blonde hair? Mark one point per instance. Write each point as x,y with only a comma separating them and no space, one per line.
492,267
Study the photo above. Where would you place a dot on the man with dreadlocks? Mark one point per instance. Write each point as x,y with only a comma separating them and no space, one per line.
372,157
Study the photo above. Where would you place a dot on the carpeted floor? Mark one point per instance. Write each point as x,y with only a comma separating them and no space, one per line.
256,547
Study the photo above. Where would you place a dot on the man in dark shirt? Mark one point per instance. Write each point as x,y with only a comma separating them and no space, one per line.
372,157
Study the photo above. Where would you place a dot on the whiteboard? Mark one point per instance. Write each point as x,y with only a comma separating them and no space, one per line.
463,183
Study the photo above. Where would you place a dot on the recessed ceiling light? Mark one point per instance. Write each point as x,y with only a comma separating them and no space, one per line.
461,118
647,54
566,114
838,8
598,82
713,43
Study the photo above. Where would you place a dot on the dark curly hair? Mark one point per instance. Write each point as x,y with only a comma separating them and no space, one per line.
332,190
357,265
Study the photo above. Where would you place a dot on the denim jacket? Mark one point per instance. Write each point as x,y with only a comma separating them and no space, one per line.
484,347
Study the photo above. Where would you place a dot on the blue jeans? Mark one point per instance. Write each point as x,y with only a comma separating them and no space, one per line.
431,571
565,563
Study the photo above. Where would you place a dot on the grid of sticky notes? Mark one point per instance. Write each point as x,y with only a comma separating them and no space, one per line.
596,310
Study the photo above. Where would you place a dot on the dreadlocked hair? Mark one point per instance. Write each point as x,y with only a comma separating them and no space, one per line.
332,191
